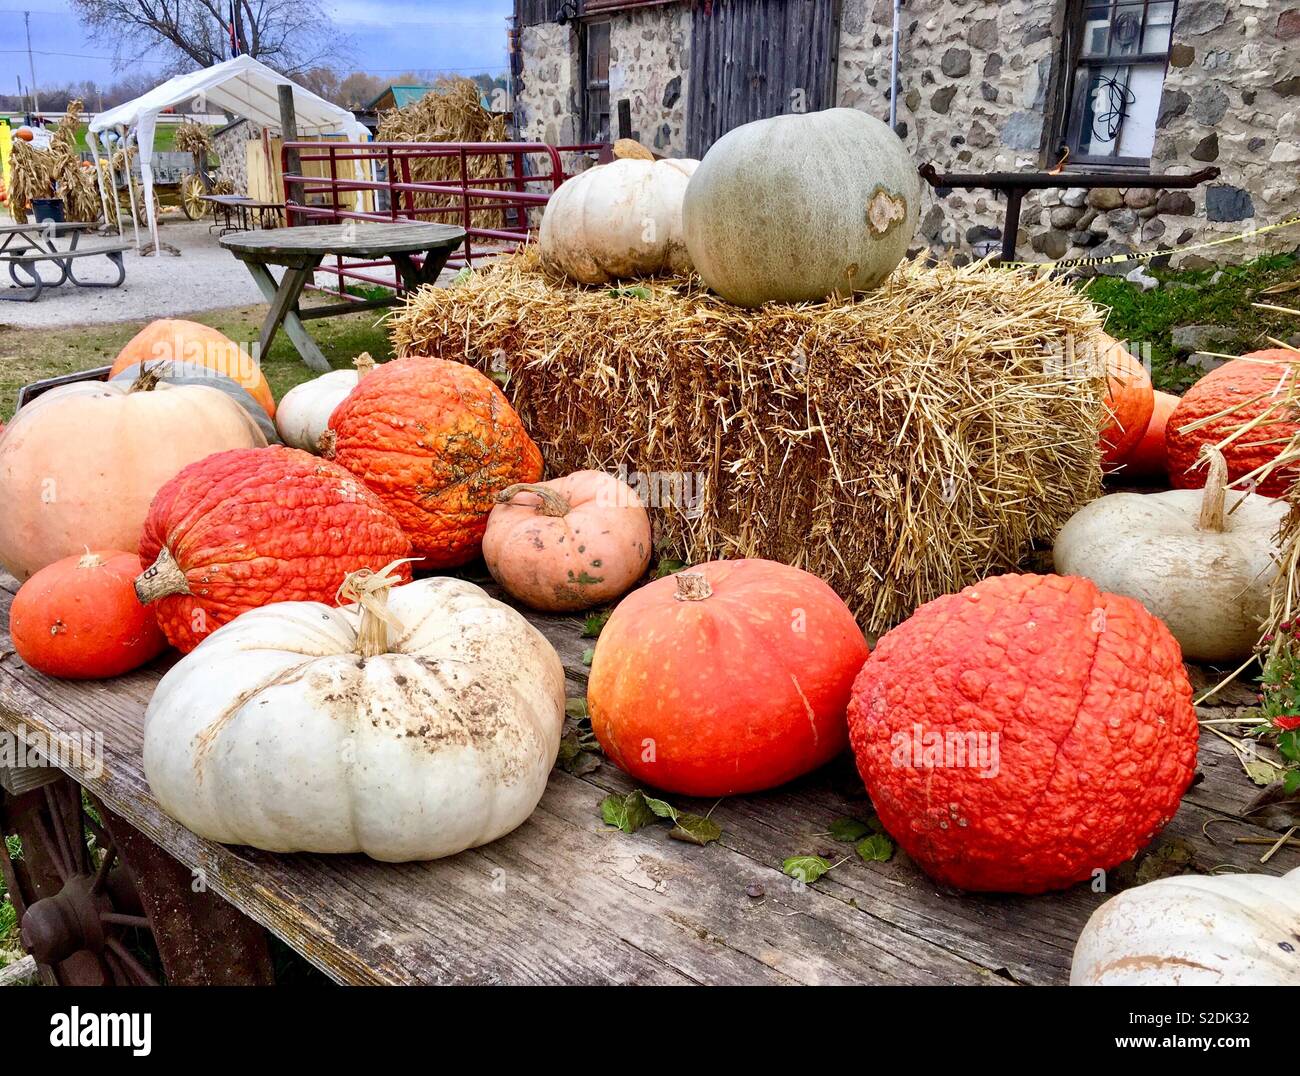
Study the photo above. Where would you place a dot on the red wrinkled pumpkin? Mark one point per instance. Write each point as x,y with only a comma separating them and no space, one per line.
1148,458
569,543
1250,386
79,618
1129,402
437,441
245,528
730,677
1024,733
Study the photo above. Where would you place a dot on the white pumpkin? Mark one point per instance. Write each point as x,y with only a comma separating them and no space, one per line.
1204,571
304,413
1192,930
618,220
419,723
802,206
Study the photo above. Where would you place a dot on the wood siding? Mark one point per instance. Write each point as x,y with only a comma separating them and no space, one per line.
751,59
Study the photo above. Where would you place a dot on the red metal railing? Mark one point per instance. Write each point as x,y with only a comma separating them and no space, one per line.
498,212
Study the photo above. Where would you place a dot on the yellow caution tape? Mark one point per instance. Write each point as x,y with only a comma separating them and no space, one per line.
1143,256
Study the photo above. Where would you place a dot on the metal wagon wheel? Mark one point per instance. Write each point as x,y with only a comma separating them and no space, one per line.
192,190
99,904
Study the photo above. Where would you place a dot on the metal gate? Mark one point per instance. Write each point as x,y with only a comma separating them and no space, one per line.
751,59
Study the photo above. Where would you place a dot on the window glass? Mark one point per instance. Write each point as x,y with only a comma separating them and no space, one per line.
1159,27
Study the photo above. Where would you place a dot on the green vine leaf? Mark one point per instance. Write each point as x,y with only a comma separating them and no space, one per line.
806,869
875,849
591,629
695,829
629,813
848,830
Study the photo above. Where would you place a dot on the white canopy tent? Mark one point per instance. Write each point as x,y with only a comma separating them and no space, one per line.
243,87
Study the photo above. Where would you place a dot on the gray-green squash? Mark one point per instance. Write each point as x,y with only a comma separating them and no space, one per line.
800,207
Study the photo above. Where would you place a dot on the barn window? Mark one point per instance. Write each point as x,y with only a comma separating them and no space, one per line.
595,81
1118,51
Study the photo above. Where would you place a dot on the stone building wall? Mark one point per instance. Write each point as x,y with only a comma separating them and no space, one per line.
649,61
546,100
229,146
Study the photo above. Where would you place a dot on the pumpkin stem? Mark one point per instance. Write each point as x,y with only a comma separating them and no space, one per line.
148,378
1216,486
370,591
162,578
89,560
692,587
552,503
327,443
364,364
631,149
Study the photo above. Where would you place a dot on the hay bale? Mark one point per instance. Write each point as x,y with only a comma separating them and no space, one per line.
900,445
450,112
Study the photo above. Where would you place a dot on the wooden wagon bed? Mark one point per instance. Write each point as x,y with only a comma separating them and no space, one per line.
565,899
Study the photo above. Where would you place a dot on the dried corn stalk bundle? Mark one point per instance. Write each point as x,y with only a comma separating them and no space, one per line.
191,137
450,112
899,445
56,172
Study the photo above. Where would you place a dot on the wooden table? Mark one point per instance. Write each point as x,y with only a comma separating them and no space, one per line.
25,246
419,251
566,899
242,206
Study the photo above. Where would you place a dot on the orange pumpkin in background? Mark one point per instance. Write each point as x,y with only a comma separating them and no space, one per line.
730,677
79,618
177,340
1238,392
1147,460
1130,401
437,441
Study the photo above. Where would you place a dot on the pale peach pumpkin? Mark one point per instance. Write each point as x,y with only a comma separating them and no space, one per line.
569,543
80,464
178,340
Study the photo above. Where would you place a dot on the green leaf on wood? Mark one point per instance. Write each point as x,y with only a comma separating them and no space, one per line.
591,629
587,655
629,813
695,829
575,708
806,869
875,849
848,830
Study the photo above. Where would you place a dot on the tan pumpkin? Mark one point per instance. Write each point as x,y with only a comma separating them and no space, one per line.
617,220
80,464
570,543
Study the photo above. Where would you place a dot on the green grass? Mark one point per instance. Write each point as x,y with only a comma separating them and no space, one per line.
1139,316
28,355
10,949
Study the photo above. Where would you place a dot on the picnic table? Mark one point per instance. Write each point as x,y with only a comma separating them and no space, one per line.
418,250
24,246
564,898
240,206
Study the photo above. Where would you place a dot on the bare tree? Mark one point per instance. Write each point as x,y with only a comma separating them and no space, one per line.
289,35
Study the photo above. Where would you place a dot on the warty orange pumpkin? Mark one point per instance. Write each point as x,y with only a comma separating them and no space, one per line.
1148,458
1252,387
1024,733
242,529
730,677
178,340
79,618
437,441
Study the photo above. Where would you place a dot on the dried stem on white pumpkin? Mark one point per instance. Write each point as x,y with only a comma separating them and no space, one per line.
1216,486
326,444
552,503
364,364
369,590
161,579
692,587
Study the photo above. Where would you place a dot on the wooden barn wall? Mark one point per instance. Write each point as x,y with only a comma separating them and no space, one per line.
533,12
751,59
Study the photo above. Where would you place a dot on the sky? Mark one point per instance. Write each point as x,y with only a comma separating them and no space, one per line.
388,36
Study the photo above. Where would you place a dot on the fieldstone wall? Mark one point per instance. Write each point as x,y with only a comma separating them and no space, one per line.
546,98
973,97
649,61
229,147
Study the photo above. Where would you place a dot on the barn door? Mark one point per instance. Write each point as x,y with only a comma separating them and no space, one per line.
751,59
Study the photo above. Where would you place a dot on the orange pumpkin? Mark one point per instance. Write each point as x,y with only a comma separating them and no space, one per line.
731,677
79,618
1130,400
437,441
1147,460
570,543
177,340
1238,392
80,463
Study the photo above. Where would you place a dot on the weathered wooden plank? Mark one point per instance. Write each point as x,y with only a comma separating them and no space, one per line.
566,899
353,238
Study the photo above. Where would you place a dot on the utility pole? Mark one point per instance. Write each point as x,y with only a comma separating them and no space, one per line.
31,64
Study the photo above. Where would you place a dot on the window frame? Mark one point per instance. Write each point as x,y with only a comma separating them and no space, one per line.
1074,98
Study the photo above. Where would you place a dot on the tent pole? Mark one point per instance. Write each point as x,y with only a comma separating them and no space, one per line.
112,186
